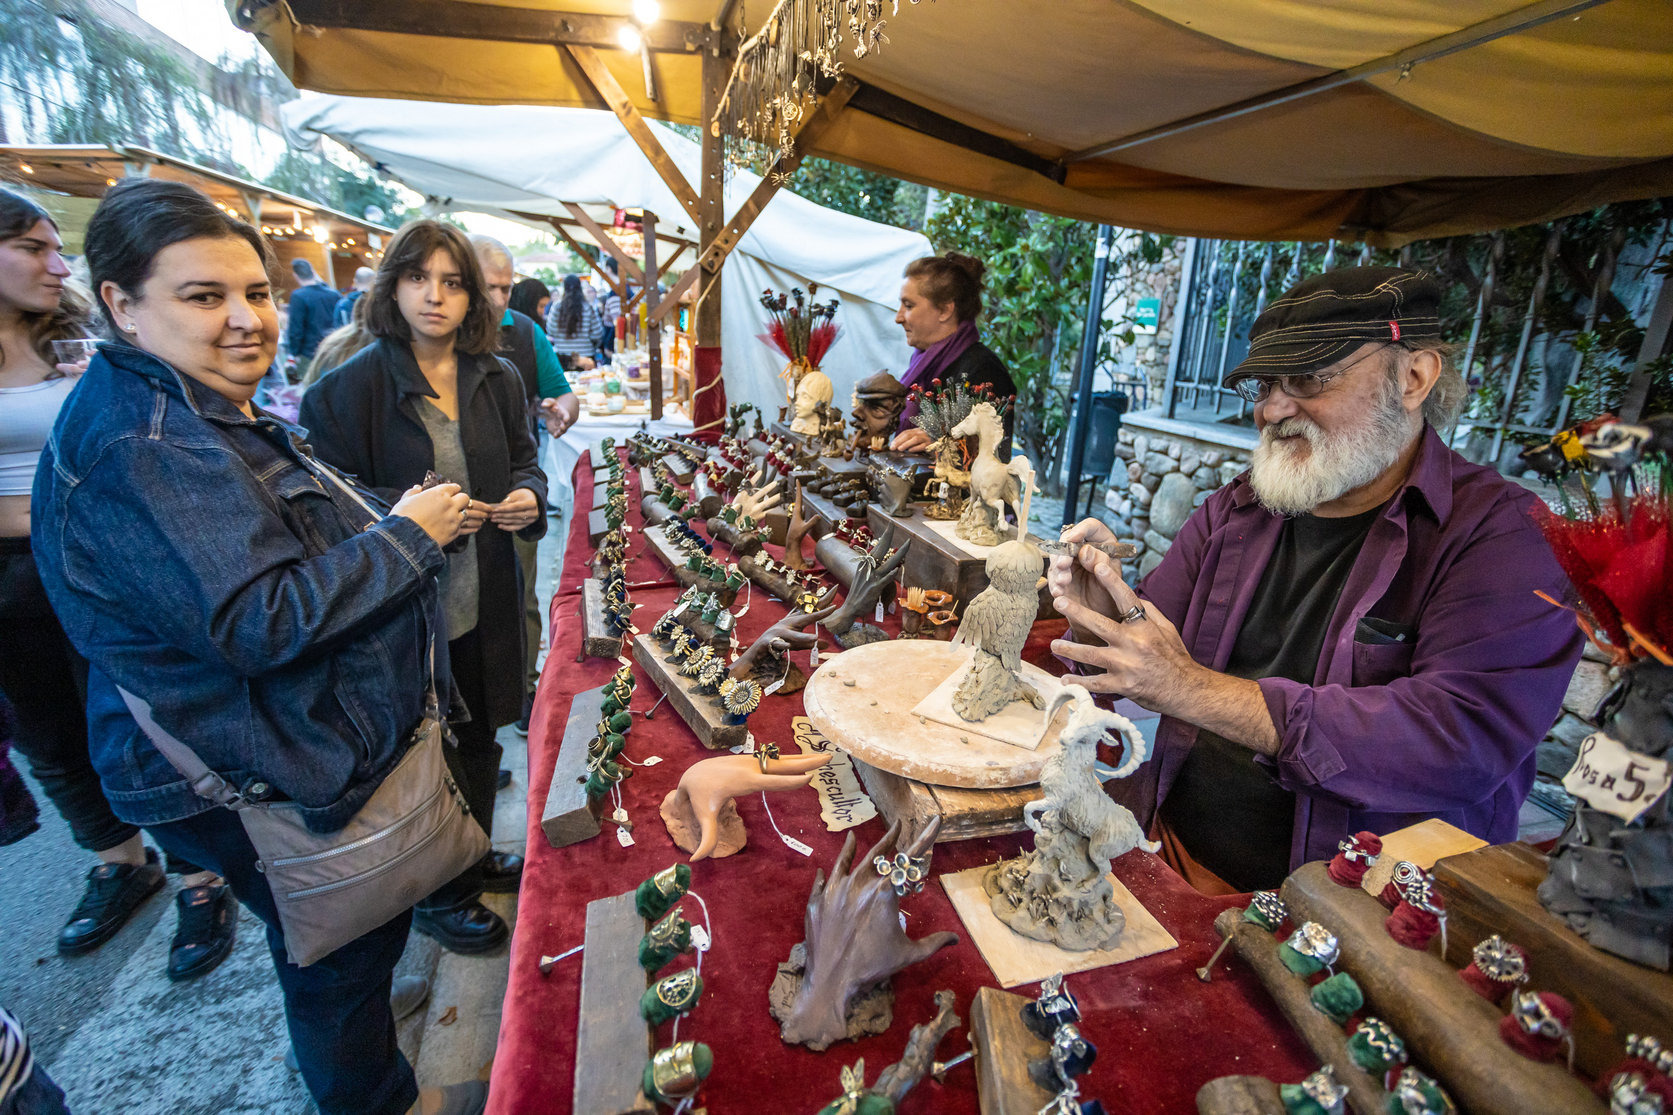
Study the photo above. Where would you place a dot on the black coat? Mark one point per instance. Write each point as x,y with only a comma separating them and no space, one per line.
979,364
362,418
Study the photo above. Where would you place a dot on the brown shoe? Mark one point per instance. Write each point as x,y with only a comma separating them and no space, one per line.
469,1098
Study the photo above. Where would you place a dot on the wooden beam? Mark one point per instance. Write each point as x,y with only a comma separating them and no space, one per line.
580,249
675,293
610,89
705,326
630,268
451,19
829,109
653,321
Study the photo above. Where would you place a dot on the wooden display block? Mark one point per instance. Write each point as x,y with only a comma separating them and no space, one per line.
1003,1047
612,1042
727,534
825,509
596,640
965,814
597,527
698,710
569,817
674,558
681,469
1450,1030
933,561
771,582
1239,1095
1494,890
653,512
1424,844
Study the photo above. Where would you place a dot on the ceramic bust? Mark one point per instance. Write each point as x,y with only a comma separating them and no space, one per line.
878,401
814,388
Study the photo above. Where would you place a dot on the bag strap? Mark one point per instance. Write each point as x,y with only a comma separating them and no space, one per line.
205,783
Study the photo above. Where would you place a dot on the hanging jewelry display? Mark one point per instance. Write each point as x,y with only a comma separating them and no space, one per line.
773,85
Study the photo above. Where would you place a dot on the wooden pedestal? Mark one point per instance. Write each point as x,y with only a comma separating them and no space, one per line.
1493,890
1451,1031
612,1042
965,814
698,710
596,640
1003,1047
681,469
569,817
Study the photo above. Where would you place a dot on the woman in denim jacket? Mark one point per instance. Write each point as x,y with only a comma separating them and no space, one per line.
199,558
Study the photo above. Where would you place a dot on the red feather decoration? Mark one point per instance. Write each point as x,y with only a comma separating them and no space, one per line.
1621,571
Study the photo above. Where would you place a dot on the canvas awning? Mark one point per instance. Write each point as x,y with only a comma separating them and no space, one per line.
1386,119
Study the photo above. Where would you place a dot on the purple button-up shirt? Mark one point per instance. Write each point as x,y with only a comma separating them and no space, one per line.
1443,724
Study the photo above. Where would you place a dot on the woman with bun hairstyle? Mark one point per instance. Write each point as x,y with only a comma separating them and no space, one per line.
940,300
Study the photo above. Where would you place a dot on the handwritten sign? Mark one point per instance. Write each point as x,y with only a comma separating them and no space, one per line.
843,803
1609,777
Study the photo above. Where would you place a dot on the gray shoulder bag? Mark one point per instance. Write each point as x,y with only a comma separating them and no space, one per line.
414,834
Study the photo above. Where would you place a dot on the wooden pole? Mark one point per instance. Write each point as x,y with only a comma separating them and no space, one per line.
653,321
711,211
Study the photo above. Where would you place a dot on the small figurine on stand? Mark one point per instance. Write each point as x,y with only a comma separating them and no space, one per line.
997,623
1059,892
994,484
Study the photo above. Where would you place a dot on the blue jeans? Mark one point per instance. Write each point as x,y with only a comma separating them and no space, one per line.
337,1008
38,1096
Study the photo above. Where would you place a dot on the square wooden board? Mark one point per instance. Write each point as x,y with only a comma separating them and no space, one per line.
1016,960
1423,844
1019,723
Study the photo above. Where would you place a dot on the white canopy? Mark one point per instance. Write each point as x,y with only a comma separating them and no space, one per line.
507,159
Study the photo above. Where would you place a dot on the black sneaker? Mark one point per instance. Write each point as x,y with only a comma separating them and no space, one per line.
208,925
502,872
114,891
503,782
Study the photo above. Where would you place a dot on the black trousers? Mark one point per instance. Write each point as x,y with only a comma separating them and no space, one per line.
46,681
475,763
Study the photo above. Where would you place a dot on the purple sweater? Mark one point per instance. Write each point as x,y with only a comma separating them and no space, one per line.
1442,725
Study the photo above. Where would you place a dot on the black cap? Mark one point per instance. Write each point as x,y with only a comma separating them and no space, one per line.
1323,319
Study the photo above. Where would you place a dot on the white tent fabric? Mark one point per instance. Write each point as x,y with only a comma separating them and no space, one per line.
510,158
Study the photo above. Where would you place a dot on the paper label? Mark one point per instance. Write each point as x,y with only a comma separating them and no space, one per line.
619,815
700,938
651,761
795,845
624,838
773,688
1609,777
879,612
843,803
813,657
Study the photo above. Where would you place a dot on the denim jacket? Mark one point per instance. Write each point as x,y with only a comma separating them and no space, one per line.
202,560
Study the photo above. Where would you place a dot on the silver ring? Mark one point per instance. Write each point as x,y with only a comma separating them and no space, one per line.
1135,612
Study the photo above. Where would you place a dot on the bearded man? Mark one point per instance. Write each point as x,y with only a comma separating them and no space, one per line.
1348,635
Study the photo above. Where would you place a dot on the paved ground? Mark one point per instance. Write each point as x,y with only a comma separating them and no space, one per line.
118,1036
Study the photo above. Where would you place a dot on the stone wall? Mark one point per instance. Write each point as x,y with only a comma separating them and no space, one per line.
1168,477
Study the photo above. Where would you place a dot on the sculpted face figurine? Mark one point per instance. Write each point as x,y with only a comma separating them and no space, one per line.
815,388
878,401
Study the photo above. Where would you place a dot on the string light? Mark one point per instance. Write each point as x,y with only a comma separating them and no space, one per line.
26,168
629,39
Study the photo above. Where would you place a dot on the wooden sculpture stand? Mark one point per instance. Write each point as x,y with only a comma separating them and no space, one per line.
596,639
698,710
1003,1047
674,558
1492,890
1451,1031
915,769
612,1041
569,817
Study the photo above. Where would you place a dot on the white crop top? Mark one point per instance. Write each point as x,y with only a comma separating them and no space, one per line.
26,418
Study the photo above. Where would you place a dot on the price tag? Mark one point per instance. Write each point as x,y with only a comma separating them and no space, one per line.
624,838
700,938
880,611
795,845
650,762
619,816
1609,777
813,656
773,688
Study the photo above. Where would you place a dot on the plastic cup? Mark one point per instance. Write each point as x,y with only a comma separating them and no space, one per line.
77,351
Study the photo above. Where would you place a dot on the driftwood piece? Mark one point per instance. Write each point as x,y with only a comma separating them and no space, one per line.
872,578
854,939
1239,1095
596,639
674,558
569,817
741,544
900,1077
1004,1047
1328,1040
698,710
1493,890
612,1042
1446,1025
772,582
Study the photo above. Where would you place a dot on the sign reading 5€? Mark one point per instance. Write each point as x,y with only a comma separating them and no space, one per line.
1609,777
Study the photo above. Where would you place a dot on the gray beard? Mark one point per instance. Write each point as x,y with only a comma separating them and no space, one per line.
1336,464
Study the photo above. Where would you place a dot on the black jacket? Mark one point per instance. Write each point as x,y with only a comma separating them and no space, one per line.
979,364
362,418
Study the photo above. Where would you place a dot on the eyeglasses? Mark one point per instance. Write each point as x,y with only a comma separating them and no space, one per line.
1308,385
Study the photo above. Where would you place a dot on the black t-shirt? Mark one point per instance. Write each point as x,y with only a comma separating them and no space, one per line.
1227,811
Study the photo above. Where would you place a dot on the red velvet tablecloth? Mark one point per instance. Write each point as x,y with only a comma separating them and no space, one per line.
1160,1032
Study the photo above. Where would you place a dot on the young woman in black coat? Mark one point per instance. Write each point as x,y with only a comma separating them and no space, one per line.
429,395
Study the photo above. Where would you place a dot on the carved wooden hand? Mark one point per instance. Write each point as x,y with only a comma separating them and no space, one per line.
789,629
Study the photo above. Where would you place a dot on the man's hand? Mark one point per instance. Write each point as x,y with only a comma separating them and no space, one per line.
1146,660
516,511
1070,579
914,440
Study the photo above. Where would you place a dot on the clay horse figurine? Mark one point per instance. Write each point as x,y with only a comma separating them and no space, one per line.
993,483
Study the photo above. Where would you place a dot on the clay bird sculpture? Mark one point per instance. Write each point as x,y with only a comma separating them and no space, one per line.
996,623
